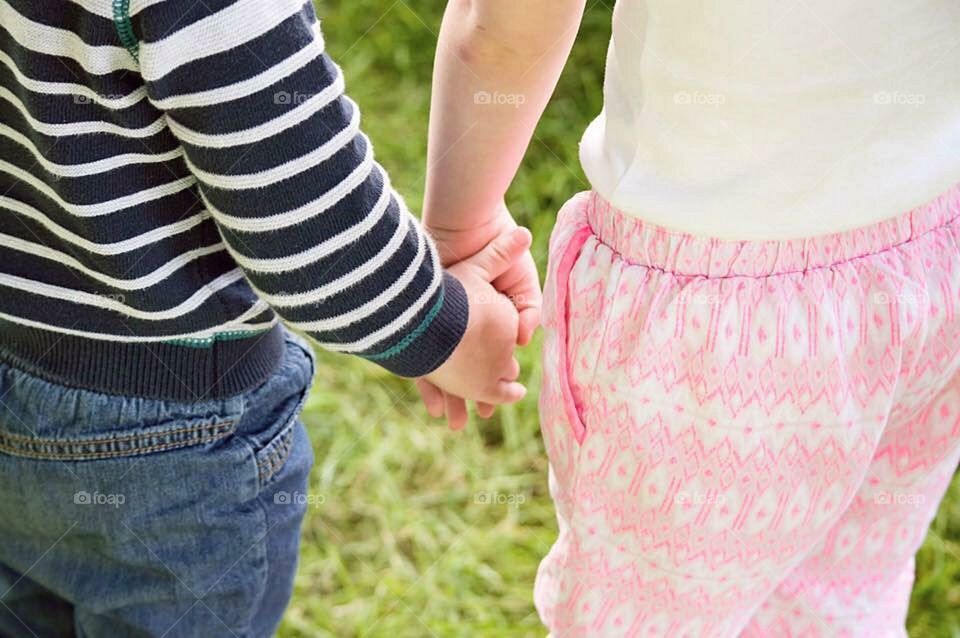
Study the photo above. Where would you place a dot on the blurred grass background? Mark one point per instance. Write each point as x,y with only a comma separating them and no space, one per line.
402,545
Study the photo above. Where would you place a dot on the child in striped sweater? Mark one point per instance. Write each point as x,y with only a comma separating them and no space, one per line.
175,177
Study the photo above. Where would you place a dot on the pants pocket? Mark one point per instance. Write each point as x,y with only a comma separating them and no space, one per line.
272,412
561,312
196,431
43,421
581,289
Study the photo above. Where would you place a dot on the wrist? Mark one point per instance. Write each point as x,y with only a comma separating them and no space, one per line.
432,337
456,242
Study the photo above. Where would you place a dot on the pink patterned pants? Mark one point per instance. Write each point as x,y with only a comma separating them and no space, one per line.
746,438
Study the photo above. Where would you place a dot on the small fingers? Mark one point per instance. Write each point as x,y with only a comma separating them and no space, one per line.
485,410
456,409
508,392
497,256
432,397
529,320
514,371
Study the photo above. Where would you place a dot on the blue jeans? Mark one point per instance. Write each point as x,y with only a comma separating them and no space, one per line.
124,517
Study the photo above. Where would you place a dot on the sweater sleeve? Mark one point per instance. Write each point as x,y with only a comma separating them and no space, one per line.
290,179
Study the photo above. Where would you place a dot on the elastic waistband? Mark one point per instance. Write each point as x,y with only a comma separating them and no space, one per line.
163,371
684,254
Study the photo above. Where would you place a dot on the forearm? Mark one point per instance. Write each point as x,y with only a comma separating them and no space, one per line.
498,62
290,180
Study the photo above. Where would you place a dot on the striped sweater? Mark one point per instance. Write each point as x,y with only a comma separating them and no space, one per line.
175,176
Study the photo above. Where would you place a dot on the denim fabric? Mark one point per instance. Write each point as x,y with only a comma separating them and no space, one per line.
123,517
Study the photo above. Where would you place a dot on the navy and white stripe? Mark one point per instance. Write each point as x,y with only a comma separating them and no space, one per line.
192,192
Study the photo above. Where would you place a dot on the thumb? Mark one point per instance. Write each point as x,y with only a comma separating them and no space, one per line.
497,256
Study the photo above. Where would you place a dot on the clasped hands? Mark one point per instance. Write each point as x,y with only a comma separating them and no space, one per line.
495,266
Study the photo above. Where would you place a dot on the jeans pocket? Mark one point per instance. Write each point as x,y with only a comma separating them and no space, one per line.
273,411
43,421
272,457
146,440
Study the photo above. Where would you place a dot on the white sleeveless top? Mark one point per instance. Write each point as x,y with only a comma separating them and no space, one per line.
754,119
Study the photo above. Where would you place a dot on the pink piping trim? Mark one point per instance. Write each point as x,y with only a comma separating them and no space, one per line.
563,369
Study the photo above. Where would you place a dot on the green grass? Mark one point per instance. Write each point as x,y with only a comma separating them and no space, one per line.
400,545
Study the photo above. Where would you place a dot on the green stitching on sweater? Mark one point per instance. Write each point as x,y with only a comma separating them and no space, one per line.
121,22
404,343
233,335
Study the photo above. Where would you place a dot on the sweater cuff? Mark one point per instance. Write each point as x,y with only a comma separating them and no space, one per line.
431,339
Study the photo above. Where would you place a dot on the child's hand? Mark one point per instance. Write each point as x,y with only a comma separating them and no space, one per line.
482,368
520,281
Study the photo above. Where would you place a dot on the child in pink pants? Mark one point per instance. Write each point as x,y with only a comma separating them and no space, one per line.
746,435
751,400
